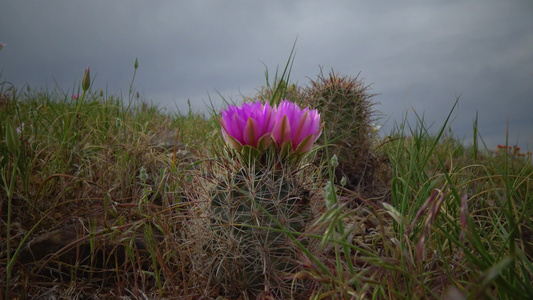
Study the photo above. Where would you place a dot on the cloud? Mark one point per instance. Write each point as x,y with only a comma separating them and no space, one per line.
418,55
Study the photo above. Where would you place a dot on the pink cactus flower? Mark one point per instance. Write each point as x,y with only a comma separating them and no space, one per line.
251,124
297,127
292,129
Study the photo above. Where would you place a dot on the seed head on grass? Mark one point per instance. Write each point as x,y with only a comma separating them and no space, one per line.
143,175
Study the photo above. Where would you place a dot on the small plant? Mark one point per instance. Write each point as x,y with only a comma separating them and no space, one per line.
261,198
346,107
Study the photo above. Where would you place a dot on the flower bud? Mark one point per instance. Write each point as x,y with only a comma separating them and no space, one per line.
343,181
330,194
12,139
136,64
86,81
20,129
334,161
143,175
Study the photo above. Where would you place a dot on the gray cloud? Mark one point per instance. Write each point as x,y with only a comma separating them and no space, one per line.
418,55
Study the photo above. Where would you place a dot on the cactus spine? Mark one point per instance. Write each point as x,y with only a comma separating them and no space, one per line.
346,106
253,254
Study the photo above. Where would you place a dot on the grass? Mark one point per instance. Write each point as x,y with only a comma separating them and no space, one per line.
96,203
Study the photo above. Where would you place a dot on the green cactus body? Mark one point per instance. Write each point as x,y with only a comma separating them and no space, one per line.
253,256
346,108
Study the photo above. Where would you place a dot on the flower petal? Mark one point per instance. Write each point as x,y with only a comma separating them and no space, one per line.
232,142
249,134
264,141
282,131
306,144
302,128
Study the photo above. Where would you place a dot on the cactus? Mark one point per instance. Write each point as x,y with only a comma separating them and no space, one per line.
260,198
246,204
346,108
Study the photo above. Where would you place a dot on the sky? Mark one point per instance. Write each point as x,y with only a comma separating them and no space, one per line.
418,56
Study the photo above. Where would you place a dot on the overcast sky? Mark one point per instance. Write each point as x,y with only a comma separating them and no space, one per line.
418,55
